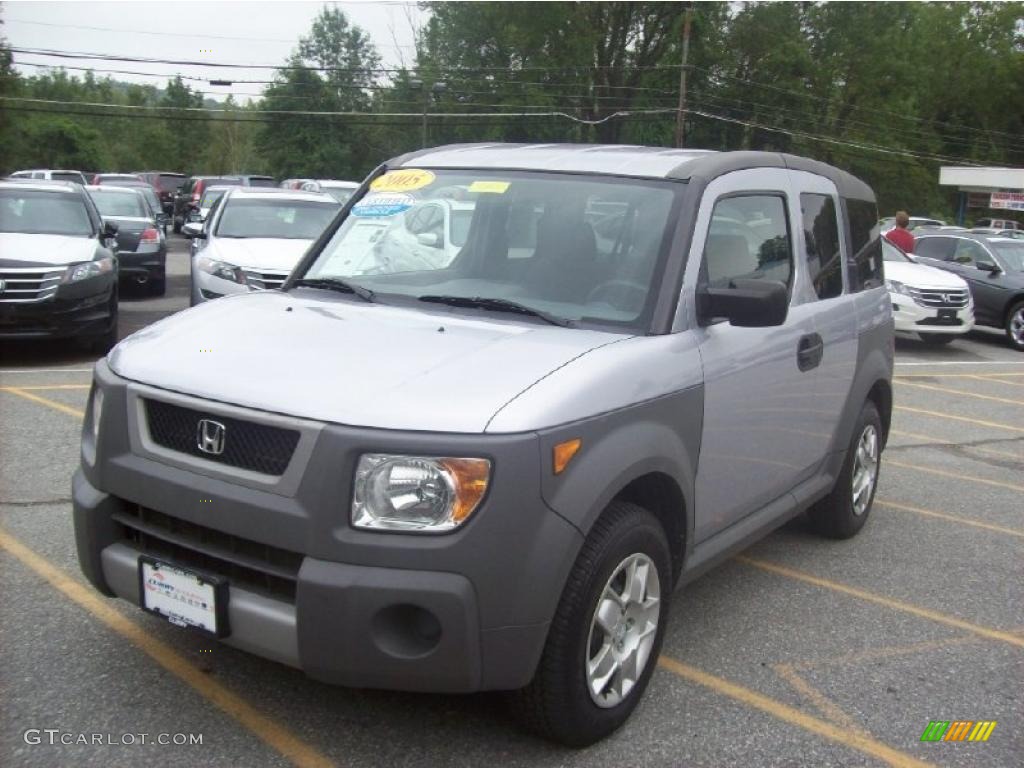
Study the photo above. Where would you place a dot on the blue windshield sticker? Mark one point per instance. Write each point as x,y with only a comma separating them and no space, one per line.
383,205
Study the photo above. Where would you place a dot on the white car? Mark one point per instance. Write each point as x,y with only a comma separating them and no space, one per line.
253,238
339,190
927,302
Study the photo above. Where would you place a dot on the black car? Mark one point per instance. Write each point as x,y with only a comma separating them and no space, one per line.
58,265
152,200
191,192
142,248
993,267
165,184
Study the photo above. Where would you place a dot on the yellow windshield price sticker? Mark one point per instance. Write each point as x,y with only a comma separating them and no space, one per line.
404,180
493,187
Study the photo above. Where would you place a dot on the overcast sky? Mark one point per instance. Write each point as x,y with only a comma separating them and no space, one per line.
235,32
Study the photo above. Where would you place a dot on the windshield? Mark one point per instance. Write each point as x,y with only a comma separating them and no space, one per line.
575,247
261,181
119,204
341,194
38,212
113,178
67,176
210,197
169,182
1012,255
891,253
285,219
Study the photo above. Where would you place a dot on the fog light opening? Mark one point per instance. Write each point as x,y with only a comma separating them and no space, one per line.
406,631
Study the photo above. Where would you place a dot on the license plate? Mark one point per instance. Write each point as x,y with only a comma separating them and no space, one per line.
183,597
947,315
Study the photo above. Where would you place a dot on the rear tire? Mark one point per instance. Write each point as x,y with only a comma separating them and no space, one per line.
842,513
1015,326
937,339
104,342
157,286
606,634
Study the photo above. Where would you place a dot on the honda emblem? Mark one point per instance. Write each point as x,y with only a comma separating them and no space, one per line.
210,437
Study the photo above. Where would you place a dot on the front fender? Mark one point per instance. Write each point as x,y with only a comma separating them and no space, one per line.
657,436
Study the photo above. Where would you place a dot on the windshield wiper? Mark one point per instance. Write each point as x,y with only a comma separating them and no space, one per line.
337,284
499,305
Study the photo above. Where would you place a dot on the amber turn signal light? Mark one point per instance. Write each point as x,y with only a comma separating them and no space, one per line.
564,452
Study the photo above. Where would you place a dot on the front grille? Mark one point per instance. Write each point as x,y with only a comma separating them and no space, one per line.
265,280
257,567
930,297
246,444
23,285
951,322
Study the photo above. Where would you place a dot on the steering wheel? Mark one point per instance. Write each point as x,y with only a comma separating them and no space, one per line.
621,294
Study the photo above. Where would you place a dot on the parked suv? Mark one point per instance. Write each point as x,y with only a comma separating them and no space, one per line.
76,177
165,184
492,473
993,268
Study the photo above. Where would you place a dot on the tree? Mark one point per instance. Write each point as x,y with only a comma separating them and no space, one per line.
322,147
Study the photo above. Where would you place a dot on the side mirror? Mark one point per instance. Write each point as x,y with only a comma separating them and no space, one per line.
431,239
988,266
109,229
193,230
745,303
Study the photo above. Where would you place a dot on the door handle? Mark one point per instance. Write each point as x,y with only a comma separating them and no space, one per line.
809,351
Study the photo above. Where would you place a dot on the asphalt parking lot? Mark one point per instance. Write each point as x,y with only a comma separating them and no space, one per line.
800,652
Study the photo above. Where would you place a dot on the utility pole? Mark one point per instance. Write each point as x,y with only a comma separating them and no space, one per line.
434,92
681,114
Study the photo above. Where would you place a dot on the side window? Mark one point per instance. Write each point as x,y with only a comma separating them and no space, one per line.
866,270
939,248
821,235
749,240
969,253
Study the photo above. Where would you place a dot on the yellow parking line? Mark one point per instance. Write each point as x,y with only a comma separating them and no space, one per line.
48,386
997,380
943,441
954,475
268,730
825,705
950,518
940,415
852,739
45,401
888,602
960,392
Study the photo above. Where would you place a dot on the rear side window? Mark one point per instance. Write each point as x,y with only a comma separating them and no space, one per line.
821,235
940,248
866,264
748,240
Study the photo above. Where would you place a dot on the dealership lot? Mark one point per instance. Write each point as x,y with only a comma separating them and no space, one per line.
801,652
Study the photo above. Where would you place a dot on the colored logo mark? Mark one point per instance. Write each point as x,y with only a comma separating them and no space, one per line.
958,730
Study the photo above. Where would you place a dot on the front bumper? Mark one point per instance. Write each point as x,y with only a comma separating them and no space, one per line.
911,317
78,309
356,608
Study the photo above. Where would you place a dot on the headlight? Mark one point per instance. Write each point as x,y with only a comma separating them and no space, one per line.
417,493
221,269
894,286
84,271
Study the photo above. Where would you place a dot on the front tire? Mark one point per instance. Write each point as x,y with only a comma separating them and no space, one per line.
842,513
1015,326
606,634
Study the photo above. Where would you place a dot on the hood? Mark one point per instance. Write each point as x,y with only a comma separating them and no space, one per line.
45,249
331,359
278,255
923,276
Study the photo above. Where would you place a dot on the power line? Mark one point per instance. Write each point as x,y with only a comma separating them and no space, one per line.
338,113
